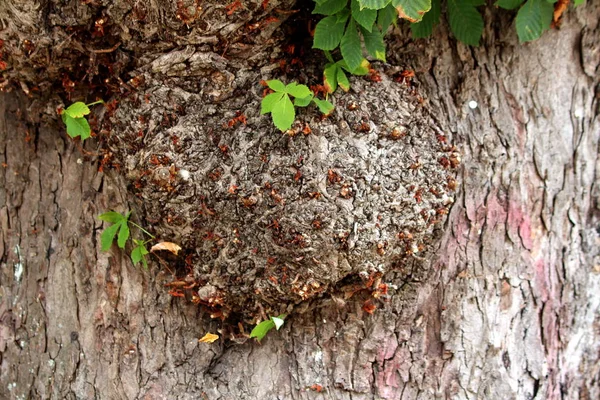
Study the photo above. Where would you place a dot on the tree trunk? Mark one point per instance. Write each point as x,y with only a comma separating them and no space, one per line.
504,303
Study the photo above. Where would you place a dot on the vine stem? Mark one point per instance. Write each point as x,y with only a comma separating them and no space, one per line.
95,102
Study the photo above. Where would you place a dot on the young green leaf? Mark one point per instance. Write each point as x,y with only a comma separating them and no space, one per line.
303,102
330,7
269,101
283,113
386,17
330,77
112,217
77,110
77,127
533,19
374,43
262,329
123,234
329,32
342,80
412,10
276,85
509,4
578,2
364,17
108,235
374,4
296,90
430,20
465,21
324,106
350,46
139,253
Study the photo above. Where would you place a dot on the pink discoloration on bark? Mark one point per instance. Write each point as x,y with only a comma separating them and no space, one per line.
496,212
519,221
392,374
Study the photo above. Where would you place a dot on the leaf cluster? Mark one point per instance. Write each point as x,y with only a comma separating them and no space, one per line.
260,330
279,103
74,119
120,228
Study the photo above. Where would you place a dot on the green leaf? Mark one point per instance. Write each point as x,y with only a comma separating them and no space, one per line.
276,85
283,113
330,7
465,21
136,255
362,69
262,329
112,217
430,20
342,80
578,2
77,110
324,106
374,43
298,102
386,17
533,19
330,77
77,127
123,234
296,90
374,4
508,4
269,101
329,32
350,47
412,10
364,17
107,236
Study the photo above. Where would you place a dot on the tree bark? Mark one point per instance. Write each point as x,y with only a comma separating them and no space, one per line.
504,306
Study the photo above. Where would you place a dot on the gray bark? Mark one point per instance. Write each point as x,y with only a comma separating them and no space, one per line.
505,305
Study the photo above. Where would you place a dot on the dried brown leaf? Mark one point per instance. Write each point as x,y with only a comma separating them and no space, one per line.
172,247
208,338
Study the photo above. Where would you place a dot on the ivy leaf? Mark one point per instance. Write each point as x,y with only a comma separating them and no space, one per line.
296,90
533,19
330,77
430,20
350,47
283,113
276,85
342,80
374,43
269,101
329,32
324,106
329,7
364,17
108,235
465,21
508,4
303,102
412,10
374,4
77,126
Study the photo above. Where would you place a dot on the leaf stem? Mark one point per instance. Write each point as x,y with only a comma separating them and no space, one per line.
96,102
142,229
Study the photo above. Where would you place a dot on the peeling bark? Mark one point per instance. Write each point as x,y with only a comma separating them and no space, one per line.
508,308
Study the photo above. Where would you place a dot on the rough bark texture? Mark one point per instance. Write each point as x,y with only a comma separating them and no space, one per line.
508,307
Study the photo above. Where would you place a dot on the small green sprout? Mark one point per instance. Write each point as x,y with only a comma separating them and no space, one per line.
120,229
74,119
281,107
264,327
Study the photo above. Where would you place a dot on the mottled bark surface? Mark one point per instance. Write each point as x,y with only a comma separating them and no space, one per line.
508,310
